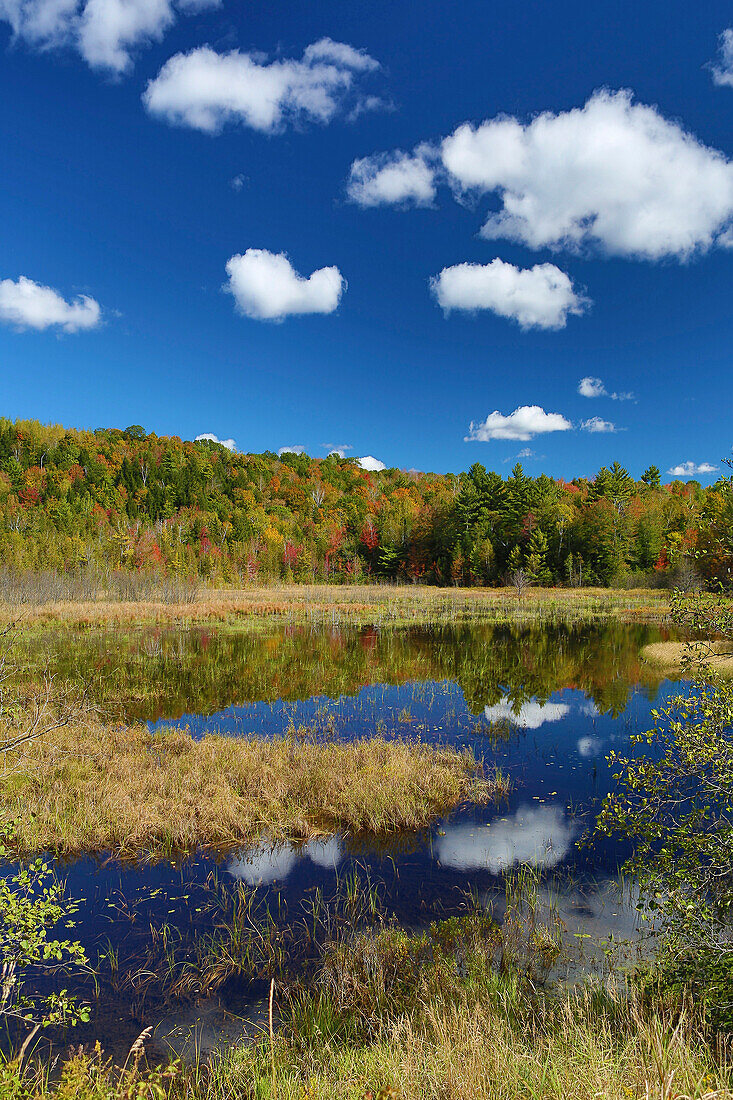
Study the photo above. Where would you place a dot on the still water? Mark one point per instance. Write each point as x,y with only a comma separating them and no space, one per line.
545,704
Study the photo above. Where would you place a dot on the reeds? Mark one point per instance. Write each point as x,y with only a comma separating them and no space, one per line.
143,598
92,786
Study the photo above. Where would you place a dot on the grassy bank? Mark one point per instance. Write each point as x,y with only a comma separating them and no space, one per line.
454,1013
359,604
91,786
455,1054
684,656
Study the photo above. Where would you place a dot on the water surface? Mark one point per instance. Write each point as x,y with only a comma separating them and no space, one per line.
546,704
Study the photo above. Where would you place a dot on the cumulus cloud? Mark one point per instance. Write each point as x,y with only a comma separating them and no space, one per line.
591,387
723,71
292,449
538,297
589,746
369,462
692,469
392,179
597,424
26,304
595,387
230,444
205,89
531,715
105,32
540,835
613,175
267,288
524,423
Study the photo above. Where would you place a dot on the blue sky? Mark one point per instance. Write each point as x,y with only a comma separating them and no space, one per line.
173,171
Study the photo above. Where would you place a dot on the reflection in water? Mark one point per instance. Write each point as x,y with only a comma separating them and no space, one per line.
530,715
539,835
540,702
166,673
266,863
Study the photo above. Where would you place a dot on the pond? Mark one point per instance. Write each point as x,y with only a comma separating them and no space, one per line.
546,704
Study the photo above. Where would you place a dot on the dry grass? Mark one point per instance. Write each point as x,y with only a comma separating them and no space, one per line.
682,656
467,1051
95,787
373,604
476,1054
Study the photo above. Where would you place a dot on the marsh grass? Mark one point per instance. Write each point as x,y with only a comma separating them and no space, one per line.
374,604
594,1045
687,656
367,1010
93,786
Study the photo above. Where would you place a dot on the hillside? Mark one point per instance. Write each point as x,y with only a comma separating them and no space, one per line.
131,500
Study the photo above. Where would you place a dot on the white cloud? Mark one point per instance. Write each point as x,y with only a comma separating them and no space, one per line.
205,89
692,469
531,715
109,29
105,32
230,444
338,449
591,387
237,182
595,387
540,835
41,23
369,462
266,287
293,449
524,423
392,178
612,174
723,72
341,54
538,297
26,304
597,424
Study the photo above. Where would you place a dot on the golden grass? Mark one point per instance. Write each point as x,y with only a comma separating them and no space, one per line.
377,603
94,787
464,1052
467,1051
679,656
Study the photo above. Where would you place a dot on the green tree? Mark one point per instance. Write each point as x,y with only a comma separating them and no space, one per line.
537,570
652,477
674,800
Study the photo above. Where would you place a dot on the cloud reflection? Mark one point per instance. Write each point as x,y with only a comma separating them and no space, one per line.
267,863
531,715
539,835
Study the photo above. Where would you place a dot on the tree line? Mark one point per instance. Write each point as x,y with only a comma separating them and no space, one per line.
133,500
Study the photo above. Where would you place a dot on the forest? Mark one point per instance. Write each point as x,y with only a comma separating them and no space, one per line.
132,500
